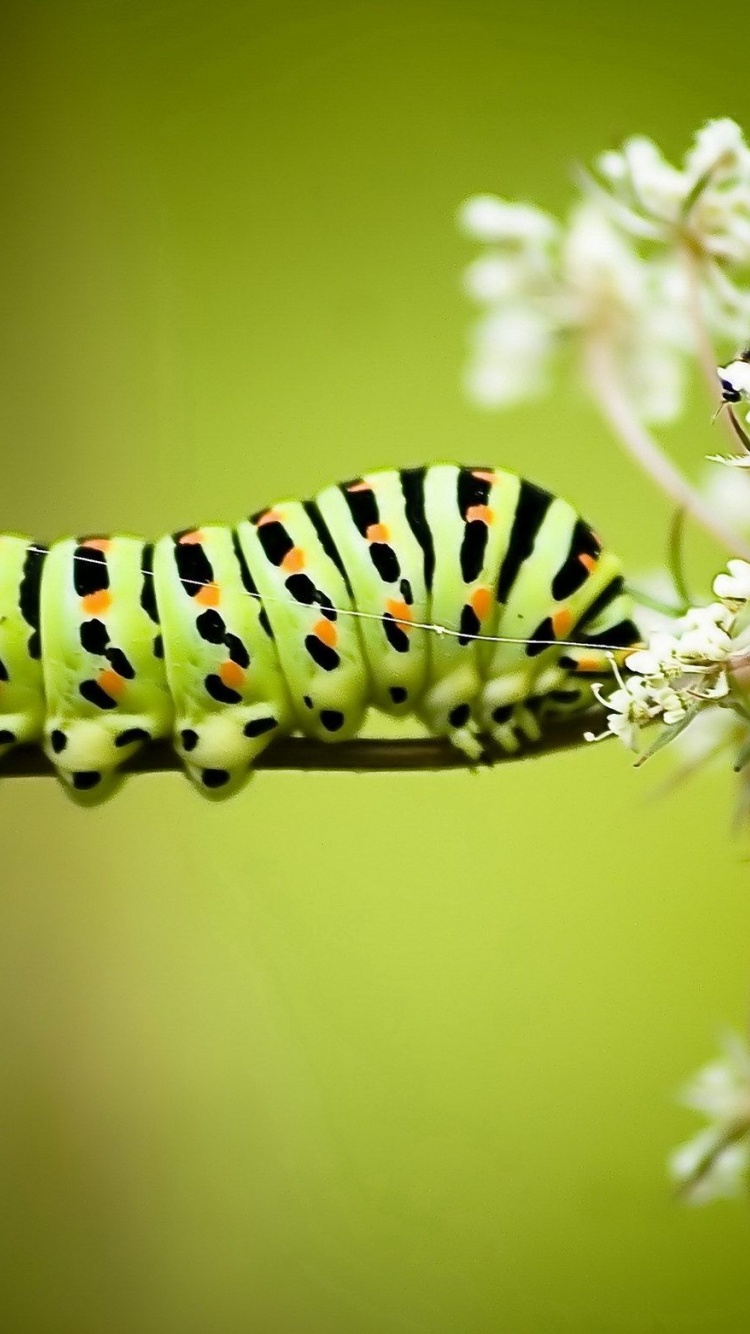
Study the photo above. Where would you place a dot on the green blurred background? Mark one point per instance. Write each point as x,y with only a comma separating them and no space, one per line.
349,1053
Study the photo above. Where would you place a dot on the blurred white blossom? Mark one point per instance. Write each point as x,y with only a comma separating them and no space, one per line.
729,495
649,267
706,198
702,206
489,219
541,285
715,1162
639,237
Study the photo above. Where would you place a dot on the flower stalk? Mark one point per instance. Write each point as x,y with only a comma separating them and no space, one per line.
606,387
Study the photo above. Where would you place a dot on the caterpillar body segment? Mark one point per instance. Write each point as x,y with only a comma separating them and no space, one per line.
224,676
21,691
446,593
472,537
308,604
105,687
377,537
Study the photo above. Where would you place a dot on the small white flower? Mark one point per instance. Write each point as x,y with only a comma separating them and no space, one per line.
672,705
491,279
648,189
734,379
621,272
512,351
537,293
703,206
715,1162
675,674
706,199
735,586
631,708
661,658
720,150
721,1089
491,220
606,284
704,640
707,1169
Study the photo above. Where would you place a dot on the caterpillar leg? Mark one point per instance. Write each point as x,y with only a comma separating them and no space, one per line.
447,709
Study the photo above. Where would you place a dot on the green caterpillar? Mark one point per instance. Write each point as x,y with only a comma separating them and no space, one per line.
446,593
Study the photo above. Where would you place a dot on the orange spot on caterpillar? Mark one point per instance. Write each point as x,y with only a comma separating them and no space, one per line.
479,514
270,516
359,486
591,664
111,682
400,612
232,674
481,601
562,622
326,631
483,476
191,539
208,595
94,604
588,562
377,532
294,561
97,543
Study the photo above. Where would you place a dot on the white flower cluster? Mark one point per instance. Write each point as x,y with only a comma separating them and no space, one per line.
704,205
618,267
715,1163
679,672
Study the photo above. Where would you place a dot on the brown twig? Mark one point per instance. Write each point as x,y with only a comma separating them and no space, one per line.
360,756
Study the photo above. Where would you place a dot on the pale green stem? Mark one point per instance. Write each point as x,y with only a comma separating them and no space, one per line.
705,350
605,382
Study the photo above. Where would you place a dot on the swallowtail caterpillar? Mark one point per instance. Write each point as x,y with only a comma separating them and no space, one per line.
468,598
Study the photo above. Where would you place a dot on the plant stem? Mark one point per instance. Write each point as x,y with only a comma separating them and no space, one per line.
300,753
607,388
705,349
706,352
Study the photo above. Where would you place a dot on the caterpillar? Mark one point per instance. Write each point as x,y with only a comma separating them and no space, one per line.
465,597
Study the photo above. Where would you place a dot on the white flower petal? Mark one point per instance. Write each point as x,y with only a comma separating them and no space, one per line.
736,376
488,218
724,1179
718,144
734,586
